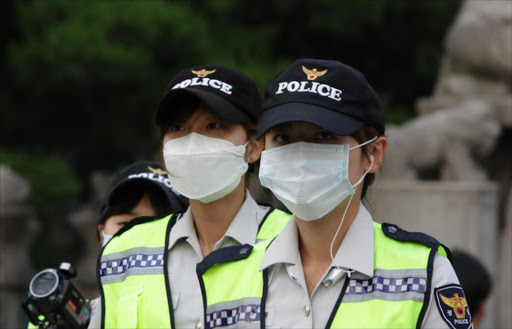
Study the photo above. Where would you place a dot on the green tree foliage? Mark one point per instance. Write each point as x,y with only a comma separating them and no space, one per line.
52,181
86,76
81,79
84,80
54,191
397,44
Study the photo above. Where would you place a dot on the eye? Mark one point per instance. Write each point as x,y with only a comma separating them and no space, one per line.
176,127
281,138
324,135
213,125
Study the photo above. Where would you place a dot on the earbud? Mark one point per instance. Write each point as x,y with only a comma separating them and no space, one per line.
372,158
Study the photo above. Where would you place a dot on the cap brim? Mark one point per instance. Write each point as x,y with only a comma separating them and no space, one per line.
112,193
220,106
334,122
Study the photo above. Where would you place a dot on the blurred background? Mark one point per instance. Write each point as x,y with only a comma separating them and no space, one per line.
81,80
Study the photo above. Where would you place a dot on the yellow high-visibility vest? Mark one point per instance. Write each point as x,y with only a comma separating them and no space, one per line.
393,298
132,271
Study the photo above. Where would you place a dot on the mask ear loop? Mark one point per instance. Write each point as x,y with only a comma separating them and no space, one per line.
363,144
372,159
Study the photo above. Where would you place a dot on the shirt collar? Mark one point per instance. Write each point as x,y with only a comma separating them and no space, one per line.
243,229
183,229
356,251
284,248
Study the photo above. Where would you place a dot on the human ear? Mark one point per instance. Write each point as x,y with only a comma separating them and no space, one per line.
377,151
100,230
253,150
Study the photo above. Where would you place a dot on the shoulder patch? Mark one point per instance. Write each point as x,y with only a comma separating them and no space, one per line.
453,307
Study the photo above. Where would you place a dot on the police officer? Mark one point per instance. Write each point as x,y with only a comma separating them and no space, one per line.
141,189
331,266
207,119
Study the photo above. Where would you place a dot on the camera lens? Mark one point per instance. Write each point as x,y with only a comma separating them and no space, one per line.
44,283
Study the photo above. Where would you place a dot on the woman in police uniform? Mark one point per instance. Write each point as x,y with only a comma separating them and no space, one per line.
207,119
332,266
323,128
141,189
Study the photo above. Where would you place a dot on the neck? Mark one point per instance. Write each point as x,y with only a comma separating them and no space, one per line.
212,219
315,238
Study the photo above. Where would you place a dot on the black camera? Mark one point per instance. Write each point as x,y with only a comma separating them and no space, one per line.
54,302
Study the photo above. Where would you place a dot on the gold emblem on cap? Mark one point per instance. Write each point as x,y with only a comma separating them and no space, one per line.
158,171
313,74
202,73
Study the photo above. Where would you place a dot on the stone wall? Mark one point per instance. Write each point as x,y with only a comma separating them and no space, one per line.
17,228
19,225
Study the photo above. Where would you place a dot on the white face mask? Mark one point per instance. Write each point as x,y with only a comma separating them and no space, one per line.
309,179
106,238
204,168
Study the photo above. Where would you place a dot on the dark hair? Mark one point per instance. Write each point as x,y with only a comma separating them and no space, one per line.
125,198
473,277
362,135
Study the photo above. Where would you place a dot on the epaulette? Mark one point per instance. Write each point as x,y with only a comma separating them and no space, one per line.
226,254
395,232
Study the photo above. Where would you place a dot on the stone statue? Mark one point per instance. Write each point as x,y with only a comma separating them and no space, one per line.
452,139
471,102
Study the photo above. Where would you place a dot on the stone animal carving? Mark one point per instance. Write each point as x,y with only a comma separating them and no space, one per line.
451,139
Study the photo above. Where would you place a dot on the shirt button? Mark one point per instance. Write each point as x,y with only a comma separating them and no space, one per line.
307,310
199,325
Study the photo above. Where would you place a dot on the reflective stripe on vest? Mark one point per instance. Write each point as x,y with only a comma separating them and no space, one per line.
393,298
132,273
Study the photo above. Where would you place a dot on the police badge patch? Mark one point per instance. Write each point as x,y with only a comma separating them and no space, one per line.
452,305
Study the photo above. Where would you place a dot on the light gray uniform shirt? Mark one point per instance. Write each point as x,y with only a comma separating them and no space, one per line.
184,254
288,303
